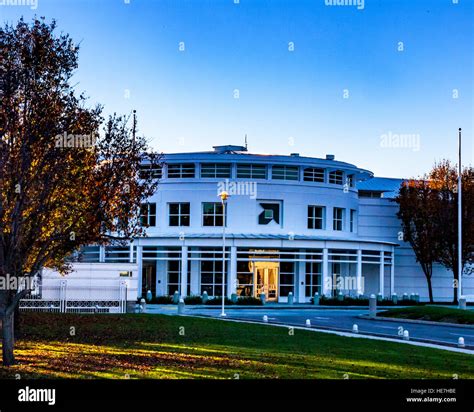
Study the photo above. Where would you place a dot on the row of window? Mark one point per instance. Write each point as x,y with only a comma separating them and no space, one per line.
249,171
179,214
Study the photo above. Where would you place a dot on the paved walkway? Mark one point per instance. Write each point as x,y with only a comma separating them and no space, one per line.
340,319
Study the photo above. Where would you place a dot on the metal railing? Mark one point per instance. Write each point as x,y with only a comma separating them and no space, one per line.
61,298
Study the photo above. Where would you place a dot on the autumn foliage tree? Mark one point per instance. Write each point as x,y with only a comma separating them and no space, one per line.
428,211
57,194
416,208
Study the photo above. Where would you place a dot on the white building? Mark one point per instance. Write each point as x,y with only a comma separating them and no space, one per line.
293,224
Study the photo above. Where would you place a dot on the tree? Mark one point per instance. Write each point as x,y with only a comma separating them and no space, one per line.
428,210
62,185
416,208
444,179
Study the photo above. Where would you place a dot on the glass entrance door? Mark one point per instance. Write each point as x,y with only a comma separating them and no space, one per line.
266,280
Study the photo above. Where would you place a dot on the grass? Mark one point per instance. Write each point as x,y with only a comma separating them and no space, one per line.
153,346
432,313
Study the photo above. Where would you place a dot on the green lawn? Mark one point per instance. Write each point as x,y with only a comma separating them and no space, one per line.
432,313
151,346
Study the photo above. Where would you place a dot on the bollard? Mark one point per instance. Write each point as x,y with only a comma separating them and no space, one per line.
461,343
316,299
405,296
462,303
181,306
265,318
372,306
176,297
262,298
355,328
417,298
205,297
233,298
379,297
340,297
142,305
290,298
394,298
406,335
412,297
149,296
308,322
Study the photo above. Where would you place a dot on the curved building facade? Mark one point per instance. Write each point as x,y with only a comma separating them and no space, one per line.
291,224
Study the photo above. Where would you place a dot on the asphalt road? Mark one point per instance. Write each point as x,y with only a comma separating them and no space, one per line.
338,319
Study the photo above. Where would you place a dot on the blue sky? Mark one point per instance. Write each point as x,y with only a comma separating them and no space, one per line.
355,80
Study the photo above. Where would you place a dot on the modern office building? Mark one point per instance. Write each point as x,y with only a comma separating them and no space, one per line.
292,224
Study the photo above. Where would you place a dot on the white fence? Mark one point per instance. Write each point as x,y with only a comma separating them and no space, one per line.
60,298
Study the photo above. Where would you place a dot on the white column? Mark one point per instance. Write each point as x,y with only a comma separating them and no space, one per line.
131,253
301,278
232,274
140,269
325,286
392,273
101,254
195,286
381,273
184,271
360,290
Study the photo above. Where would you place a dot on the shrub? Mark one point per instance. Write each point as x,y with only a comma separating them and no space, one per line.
249,300
216,301
193,300
160,300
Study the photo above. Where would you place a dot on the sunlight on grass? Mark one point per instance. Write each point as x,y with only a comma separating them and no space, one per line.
143,346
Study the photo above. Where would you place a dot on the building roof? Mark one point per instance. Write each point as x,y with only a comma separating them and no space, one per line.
387,185
235,153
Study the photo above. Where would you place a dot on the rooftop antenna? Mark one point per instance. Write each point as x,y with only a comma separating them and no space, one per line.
246,141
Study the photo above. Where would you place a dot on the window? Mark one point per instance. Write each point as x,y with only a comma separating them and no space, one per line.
312,174
244,278
270,213
316,215
287,277
350,180
336,177
174,275
180,171
285,172
370,194
338,218
352,220
148,214
179,214
313,277
251,171
215,170
148,170
212,214
211,273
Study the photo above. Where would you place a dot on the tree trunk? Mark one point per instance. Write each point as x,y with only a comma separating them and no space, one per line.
16,323
8,340
430,288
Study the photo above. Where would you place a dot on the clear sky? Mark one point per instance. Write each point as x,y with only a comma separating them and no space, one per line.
294,75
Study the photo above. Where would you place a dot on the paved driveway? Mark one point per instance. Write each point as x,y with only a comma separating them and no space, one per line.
336,319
